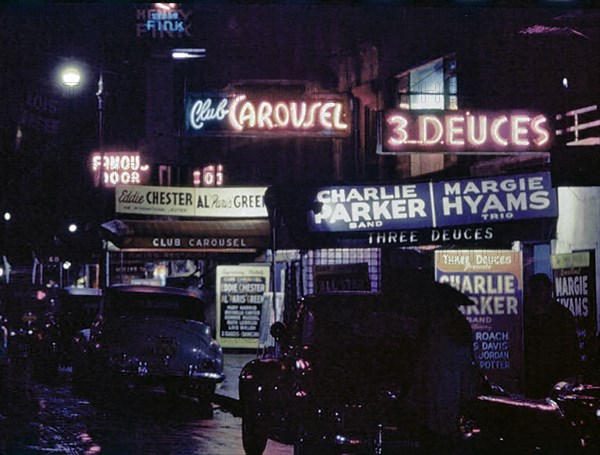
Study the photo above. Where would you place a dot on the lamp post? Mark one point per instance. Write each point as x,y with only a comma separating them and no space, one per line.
71,77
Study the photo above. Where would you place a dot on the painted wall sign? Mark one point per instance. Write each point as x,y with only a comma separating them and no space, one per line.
493,280
118,168
216,202
239,114
240,295
434,205
465,132
574,279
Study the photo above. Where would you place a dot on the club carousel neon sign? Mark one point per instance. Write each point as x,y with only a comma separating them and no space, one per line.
468,132
238,114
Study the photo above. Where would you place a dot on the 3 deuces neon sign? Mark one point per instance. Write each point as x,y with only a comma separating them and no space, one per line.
465,132
235,114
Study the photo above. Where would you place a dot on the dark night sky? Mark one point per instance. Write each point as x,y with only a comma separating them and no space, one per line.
260,40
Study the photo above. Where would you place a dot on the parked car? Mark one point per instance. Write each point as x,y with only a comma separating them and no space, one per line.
150,336
566,422
355,375
77,309
346,379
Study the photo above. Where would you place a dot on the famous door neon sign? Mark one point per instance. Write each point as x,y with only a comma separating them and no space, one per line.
466,132
235,114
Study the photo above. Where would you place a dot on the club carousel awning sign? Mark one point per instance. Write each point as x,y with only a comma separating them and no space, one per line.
267,115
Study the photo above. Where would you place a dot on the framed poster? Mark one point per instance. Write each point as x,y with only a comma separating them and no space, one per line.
240,293
493,280
574,283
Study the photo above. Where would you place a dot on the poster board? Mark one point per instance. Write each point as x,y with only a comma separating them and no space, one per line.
240,294
493,280
574,286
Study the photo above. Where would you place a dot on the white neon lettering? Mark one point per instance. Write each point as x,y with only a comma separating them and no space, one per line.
312,115
399,134
326,116
337,118
495,130
297,116
536,127
437,127
471,138
247,114
203,111
518,131
282,115
454,128
244,114
265,110
232,113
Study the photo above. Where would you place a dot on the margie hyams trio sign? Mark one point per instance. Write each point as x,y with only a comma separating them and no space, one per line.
433,204
465,132
239,114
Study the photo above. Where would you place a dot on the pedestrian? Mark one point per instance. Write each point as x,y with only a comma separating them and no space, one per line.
550,339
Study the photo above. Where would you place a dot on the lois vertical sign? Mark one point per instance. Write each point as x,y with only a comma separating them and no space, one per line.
493,280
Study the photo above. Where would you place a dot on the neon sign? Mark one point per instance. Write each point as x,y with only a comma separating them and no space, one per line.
166,21
119,168
466,132
239,114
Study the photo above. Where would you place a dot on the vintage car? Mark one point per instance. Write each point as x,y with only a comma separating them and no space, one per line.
342,384
350,378
564,423
150,336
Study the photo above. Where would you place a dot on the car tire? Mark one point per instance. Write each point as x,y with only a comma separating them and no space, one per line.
254,435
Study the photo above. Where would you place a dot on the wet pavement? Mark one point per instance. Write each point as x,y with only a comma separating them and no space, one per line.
38,418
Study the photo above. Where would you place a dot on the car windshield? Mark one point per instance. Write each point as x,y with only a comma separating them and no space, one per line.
147,304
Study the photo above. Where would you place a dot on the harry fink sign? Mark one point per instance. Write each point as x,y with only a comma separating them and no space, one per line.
236,114
396,213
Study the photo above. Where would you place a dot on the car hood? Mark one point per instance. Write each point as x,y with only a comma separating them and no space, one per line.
360,376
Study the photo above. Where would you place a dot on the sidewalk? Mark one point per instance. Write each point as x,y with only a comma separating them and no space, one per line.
233,362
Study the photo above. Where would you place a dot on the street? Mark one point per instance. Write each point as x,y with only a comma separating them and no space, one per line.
38,418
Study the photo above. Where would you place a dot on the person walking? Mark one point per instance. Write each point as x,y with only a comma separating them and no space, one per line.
550,337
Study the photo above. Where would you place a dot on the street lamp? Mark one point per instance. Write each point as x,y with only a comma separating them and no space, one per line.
72,76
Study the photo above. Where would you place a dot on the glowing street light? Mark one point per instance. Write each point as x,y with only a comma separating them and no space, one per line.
71,77
72,228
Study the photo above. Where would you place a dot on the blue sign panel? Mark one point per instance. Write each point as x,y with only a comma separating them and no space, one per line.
369,208
478,201
494,199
